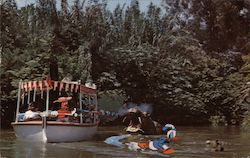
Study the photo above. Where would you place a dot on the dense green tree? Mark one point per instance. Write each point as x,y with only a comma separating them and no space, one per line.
190,60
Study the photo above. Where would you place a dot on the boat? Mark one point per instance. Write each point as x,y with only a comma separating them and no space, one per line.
80,124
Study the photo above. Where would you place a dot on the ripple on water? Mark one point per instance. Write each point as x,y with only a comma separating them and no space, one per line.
191,144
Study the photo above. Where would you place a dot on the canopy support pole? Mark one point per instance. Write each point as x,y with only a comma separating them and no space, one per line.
34,94
80,100
47,102
18,100
28,96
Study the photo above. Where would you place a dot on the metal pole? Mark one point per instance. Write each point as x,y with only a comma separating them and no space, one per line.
34,94
18,100
28,97
23,97
96,102
47,102
96,109
42,94
80,101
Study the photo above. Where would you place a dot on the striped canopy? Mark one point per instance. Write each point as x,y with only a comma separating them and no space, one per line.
58,85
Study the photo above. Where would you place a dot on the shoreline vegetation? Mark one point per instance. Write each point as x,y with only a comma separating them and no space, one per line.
192,63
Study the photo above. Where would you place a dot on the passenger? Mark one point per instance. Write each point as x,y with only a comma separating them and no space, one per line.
64,110
32,112
91,107
89,117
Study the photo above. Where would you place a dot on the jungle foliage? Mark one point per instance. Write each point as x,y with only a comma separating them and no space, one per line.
190,60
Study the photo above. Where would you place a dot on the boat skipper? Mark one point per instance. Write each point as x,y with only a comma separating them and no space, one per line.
64,110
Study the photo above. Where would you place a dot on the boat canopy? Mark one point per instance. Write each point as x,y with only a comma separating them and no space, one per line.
43,85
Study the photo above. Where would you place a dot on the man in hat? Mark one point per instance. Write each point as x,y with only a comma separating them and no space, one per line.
64,108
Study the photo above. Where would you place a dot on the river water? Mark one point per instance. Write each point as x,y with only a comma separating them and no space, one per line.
191,144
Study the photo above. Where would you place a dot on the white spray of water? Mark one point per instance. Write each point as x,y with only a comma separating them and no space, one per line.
116,140
144,107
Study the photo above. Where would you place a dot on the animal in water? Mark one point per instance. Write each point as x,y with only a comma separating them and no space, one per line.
141,122
215,145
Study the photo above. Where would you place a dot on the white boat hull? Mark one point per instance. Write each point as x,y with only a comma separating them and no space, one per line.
54,131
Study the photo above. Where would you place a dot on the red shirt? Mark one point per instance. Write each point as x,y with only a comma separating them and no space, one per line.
62,112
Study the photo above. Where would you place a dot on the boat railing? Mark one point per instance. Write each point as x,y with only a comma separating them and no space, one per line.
88,117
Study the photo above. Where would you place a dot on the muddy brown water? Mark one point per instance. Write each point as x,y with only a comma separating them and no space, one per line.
191,144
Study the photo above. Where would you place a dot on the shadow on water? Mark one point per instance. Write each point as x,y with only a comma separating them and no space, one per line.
191,143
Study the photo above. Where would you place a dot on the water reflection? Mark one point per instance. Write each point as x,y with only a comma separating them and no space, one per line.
27,149
191,144
12,148
22,149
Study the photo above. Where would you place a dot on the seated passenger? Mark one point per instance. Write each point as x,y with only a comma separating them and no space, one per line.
32,112
89,117
64,108
92,107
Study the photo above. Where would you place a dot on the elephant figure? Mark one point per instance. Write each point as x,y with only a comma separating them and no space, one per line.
141,122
